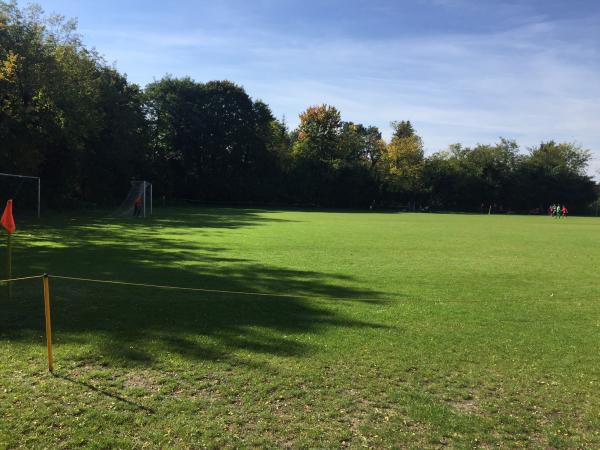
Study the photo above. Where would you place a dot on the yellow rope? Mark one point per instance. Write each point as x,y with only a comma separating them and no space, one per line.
218,291
10,280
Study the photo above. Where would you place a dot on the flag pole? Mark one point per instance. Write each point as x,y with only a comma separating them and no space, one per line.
9,264
7,221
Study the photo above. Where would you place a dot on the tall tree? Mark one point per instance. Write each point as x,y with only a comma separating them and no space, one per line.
556,172
404,162
214,141
491,172
318,134
57,108
331,164
402,129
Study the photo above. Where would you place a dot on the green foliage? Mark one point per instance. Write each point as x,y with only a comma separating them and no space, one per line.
562,158
403,165
334,161
212,141
498,175
318,135
64,114
556,173
67,116
468,177
402,129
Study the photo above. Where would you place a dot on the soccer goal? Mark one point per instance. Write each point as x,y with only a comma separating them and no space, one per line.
138,202
25,190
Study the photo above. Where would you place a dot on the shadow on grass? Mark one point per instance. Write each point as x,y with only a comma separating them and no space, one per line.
131,325
104,392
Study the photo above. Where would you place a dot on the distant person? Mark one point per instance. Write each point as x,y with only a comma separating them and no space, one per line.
564,211
551,210
137,206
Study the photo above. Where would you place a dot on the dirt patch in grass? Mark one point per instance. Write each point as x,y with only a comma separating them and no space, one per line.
465,406
141,380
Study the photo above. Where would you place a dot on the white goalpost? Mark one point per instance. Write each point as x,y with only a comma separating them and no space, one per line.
139,200
148,199
20,179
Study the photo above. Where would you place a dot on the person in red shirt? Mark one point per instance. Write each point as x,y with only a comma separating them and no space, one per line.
137,206
564,211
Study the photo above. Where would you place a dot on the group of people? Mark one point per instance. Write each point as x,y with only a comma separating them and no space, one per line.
557,211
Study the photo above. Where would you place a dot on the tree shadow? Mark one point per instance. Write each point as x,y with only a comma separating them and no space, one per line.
104,392
131,325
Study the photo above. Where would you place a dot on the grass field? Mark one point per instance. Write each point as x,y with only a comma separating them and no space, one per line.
421,330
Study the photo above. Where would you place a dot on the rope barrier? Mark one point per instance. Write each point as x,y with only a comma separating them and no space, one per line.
223,291
10,280
217,291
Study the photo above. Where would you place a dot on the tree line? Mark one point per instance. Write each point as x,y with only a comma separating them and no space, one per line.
74,120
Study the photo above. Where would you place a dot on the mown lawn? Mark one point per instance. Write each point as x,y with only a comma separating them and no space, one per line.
418,330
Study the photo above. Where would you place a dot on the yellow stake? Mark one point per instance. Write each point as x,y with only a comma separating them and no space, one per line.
48,321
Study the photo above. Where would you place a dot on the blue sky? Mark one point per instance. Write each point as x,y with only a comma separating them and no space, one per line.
464,71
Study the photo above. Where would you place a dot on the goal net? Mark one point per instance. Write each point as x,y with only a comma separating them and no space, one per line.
138,202
25,192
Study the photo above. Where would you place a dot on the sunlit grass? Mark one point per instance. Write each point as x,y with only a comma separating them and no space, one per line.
421,330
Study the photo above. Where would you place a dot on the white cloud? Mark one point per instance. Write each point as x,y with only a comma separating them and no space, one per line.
536,81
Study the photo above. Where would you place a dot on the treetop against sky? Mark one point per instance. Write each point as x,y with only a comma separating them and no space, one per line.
462,71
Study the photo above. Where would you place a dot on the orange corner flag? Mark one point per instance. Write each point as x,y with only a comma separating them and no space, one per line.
7,219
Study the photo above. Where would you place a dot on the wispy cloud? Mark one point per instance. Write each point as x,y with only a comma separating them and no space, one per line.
530,76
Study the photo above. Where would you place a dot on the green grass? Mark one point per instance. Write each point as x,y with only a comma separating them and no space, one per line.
423,330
